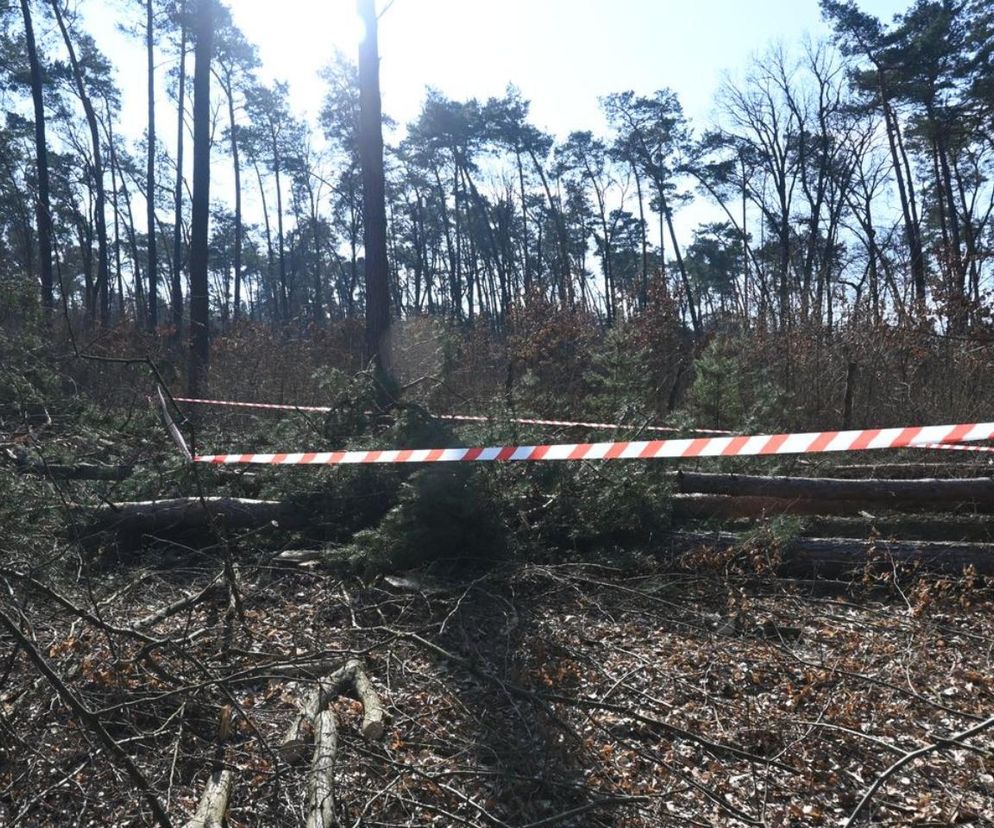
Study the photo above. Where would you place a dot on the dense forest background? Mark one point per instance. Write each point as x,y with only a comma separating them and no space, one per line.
850,185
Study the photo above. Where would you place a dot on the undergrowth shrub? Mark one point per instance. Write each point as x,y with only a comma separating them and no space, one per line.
730,391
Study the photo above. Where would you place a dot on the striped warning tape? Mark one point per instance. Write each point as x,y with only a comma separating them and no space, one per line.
956,447
323,409
743,445
471,418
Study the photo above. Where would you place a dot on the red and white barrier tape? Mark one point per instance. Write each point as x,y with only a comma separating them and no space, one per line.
471,418
322,409
572,424
956,447
743,445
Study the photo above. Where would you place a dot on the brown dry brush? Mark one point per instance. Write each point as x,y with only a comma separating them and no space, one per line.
581,694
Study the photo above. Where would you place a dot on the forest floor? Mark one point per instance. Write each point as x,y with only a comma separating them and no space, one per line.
567,694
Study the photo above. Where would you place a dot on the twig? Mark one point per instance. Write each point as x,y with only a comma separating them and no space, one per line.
910,756
90,720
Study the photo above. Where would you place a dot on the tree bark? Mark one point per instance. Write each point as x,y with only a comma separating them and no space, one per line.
960,491
153,276
44,212
200,217
214,803
321,788
177,286
237,169
832,557
189,513
373,185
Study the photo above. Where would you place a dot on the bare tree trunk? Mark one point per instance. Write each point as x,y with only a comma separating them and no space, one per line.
237,168
153,275
44,213
177,287
373,185
200,218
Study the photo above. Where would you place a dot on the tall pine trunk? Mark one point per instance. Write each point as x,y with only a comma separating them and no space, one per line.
237,169
200,215
44,213
373,187
153,287
177,274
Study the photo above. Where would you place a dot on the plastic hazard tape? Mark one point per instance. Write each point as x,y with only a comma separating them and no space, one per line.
323,409
956,447
471,418
760,444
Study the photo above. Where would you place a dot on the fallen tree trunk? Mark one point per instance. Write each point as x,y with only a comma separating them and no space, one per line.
832,557
978,491
214,803
321,788
352,676
904,471
920,527
727,507
68,471
190,513
78,471
690,507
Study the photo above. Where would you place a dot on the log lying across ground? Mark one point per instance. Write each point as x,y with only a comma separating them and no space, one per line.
976,492
728,507
317,719
903,471
189,513
68,471
919,527
831,557
214,802
352,676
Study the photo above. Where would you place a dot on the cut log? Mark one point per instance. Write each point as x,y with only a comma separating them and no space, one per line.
293,745
214,802
845,518
78,471
976,491
190,513
321,788
352,676
979,467
372,709
727,507
922,527
832,557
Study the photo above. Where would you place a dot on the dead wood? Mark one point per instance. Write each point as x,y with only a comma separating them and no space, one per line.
350,677
186,602
373,716
903,471
90,720
191,513
214,802
321,788
832,557
978,492
952,741
68,471
727,507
